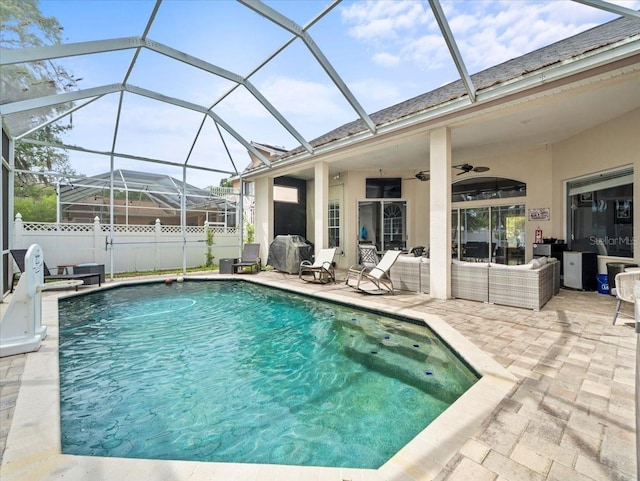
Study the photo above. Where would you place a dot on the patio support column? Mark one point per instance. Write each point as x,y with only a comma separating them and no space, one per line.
440,214
264,215
321,205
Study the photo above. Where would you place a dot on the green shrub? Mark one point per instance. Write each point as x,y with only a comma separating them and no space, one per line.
209,255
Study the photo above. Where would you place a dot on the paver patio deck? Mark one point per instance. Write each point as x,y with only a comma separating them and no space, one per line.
570,416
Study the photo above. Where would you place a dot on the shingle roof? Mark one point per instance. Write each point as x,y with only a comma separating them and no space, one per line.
556,53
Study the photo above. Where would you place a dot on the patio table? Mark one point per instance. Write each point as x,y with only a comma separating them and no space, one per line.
64,268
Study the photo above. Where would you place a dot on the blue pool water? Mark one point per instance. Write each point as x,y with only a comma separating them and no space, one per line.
233,372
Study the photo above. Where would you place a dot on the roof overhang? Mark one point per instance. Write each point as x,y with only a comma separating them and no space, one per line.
597,75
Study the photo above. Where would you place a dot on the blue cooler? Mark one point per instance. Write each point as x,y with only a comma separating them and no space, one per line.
603,283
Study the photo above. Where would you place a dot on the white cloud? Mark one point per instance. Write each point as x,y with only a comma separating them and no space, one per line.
489,33
313,108
428,51
379,20
386,59
486,32
302,97
381,93
241,100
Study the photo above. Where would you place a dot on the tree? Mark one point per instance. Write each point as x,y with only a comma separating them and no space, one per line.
23,25
38,204
225,183
42,158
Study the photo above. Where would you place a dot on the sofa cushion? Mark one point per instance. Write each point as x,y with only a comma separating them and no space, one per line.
521,267
456,262
411,259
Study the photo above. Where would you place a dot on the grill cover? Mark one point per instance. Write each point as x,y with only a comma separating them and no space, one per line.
286,252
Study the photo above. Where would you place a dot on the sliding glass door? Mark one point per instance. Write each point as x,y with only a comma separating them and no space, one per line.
489,234
507,226
474,235
383,223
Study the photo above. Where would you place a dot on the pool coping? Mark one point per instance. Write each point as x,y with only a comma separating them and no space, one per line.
33,449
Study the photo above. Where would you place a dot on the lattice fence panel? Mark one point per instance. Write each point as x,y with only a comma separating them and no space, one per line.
54,227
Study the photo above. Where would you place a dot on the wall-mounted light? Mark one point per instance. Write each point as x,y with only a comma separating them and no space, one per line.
337,176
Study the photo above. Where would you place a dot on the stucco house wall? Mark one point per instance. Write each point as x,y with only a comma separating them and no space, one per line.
610,145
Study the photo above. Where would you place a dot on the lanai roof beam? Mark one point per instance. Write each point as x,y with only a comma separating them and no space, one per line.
450,40
226,148
233,77
11,56
49,100
289,25
123,156
610,7
55,119
310,24
61,98
201,109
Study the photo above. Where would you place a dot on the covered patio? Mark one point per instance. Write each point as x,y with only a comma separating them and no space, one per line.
482,169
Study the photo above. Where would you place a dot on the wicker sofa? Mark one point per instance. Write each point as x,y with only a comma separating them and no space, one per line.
410,273
470,280
529,286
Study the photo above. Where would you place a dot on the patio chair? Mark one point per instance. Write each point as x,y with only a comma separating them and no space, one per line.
321,270
19,255
378,276
368,255
624,283
250,258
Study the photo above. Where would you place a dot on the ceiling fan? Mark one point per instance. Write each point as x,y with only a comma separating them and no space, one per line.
424,175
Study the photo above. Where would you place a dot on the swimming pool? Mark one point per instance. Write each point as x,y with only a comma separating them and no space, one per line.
189,371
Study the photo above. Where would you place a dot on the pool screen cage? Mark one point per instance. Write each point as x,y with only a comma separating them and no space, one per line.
144,198
129,221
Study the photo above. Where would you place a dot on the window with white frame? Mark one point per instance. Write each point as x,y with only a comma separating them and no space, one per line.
334,223
284,193
393,222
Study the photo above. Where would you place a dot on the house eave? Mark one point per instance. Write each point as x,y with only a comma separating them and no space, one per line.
601,64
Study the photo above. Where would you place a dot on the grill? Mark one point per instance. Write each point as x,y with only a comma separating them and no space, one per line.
286,252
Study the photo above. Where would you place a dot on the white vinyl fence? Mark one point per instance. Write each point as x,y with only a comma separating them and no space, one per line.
136,248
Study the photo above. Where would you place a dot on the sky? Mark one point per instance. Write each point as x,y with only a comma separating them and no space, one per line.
386,51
